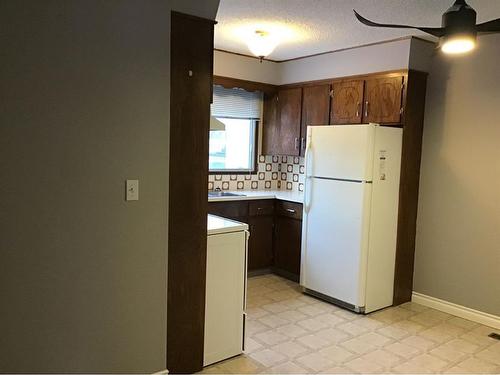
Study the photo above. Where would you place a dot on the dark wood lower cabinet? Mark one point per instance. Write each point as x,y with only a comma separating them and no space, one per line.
287,244
275,232
260,243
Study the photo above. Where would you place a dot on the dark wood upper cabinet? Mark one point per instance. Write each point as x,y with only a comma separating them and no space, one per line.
347,102
290,108
315,110
270,122
382,100
287,113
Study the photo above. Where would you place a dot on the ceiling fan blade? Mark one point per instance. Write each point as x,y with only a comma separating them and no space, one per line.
492,26
436,31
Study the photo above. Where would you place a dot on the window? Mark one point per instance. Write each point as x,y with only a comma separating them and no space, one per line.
233,149
233,130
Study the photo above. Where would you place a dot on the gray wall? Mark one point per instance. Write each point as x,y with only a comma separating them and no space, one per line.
458,230
84,106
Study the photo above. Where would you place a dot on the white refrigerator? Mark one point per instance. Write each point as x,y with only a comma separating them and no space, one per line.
350,215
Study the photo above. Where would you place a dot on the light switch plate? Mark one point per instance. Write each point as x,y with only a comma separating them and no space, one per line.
132,190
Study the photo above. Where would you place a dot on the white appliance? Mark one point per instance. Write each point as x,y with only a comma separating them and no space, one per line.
349,228
225,302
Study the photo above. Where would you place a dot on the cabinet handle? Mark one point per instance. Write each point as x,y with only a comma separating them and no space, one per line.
366,108
303,141
296,143
259,208
358,107
292,211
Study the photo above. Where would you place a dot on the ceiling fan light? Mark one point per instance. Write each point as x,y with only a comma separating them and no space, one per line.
458,44
261,43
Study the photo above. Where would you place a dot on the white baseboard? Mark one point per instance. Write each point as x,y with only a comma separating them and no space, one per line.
477,316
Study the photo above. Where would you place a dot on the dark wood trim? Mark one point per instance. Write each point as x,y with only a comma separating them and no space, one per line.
331,51
190,95
244,55
355,47
413,120
231,83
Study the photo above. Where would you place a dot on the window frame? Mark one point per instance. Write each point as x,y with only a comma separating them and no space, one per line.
255,168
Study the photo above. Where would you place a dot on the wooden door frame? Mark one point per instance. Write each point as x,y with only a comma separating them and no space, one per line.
191,73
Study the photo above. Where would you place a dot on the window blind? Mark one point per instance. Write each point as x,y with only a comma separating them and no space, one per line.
236,103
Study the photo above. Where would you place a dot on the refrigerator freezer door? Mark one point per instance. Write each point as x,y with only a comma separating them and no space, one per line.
335,239
341,151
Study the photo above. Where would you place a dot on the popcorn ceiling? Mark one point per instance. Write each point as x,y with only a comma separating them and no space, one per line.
326,25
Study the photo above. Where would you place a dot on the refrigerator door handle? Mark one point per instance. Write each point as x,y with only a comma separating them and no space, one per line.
308,194
308,181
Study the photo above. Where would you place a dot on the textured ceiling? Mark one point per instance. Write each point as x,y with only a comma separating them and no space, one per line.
312,26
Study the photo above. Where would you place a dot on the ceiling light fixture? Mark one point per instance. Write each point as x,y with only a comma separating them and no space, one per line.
262,43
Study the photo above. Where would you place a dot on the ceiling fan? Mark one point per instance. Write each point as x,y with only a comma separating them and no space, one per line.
458,30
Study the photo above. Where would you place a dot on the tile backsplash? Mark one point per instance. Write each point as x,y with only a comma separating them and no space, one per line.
274,173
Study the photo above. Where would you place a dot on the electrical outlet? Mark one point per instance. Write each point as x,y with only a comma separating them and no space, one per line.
132,190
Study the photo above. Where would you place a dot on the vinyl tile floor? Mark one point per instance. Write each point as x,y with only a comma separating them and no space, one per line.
289,332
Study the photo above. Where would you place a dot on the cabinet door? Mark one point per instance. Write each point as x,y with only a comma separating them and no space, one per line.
382,103
315,110
287,242
270,125
260,243
290,106
347,102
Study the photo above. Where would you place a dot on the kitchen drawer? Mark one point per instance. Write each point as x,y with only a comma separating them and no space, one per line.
231,210
289,209
261,207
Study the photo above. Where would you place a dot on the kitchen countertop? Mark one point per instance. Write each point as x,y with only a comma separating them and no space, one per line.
218,225
292,196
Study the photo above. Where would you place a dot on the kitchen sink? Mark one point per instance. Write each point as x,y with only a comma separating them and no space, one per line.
223,194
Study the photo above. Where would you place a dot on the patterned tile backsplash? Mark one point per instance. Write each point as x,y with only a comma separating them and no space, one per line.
274,173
